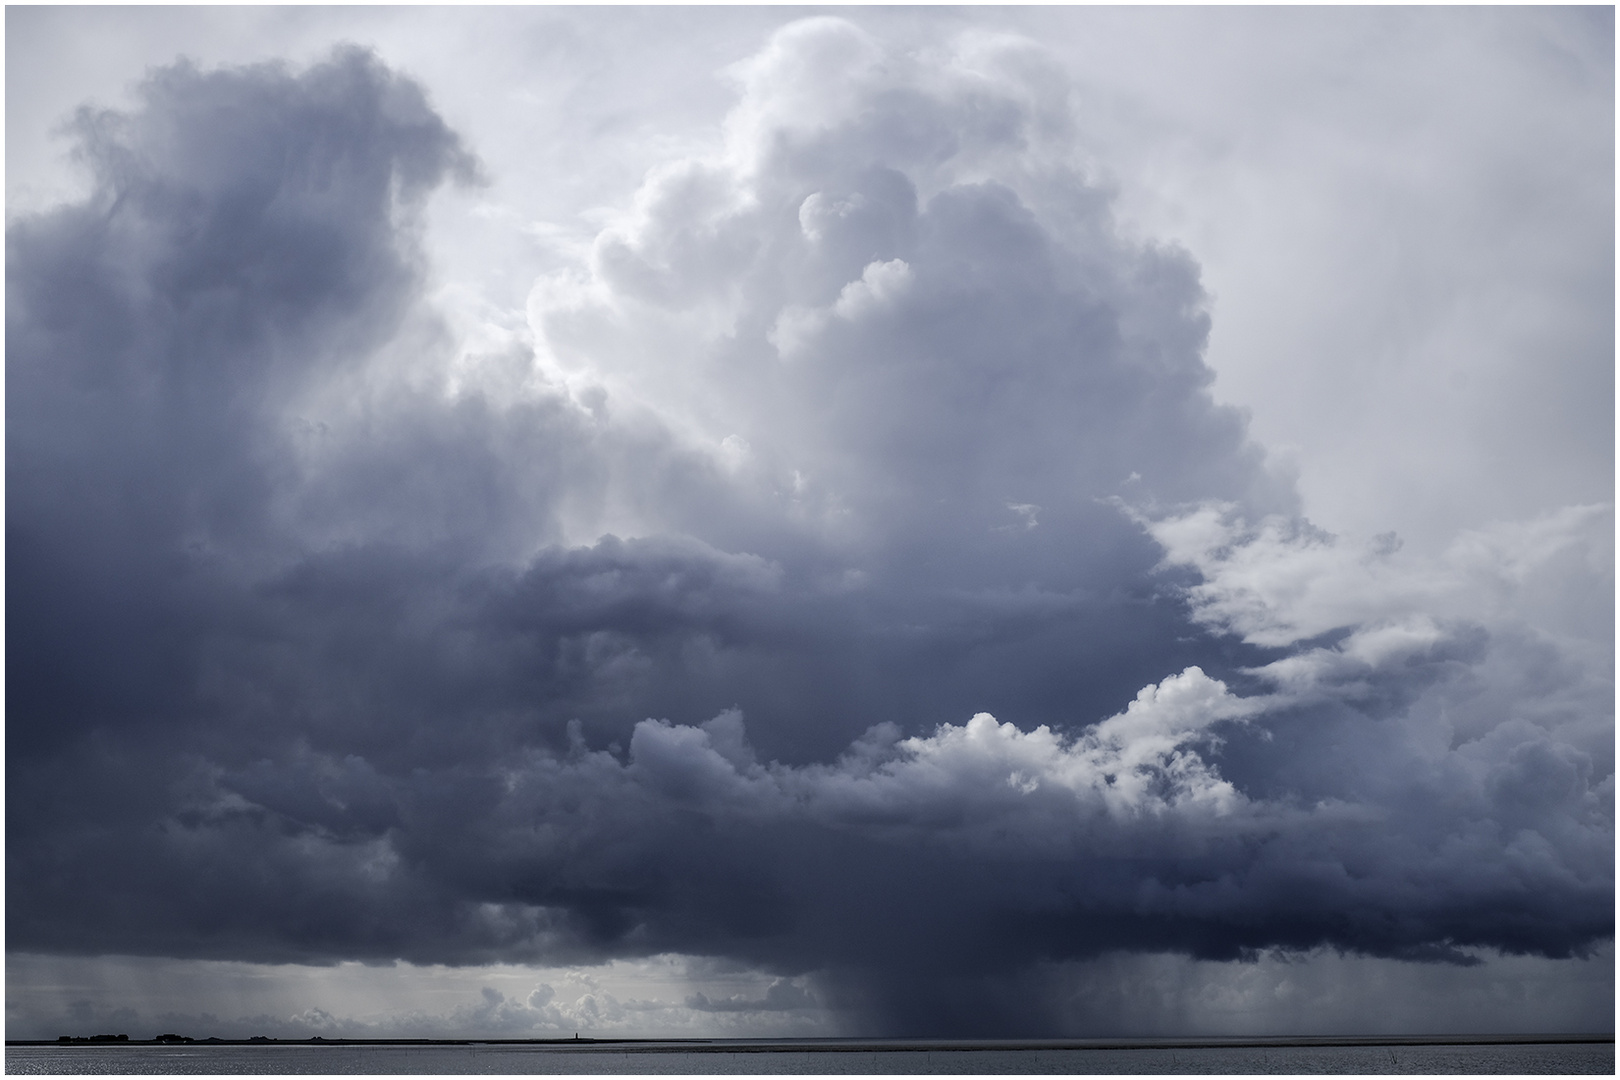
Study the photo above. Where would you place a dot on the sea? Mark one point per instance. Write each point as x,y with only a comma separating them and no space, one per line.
831,1057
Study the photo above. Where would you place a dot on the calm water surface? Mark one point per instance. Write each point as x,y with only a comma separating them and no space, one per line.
496,1060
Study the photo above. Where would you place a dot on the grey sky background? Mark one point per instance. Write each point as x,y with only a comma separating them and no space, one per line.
712,521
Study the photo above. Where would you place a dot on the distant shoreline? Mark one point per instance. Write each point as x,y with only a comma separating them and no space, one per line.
688,1045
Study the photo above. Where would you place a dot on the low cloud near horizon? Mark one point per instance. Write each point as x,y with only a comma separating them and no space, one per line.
840,579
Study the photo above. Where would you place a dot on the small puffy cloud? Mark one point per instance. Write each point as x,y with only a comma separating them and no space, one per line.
988,774
880,283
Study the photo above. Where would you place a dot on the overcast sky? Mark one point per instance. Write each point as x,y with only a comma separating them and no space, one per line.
760,521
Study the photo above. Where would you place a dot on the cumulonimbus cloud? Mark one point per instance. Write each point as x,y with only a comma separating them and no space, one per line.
319,649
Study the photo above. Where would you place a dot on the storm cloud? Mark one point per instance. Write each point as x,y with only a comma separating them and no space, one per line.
850,575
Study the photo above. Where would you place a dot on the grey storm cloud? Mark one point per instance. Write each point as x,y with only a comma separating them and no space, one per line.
954,630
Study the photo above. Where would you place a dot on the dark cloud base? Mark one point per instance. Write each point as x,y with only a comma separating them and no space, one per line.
301,667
